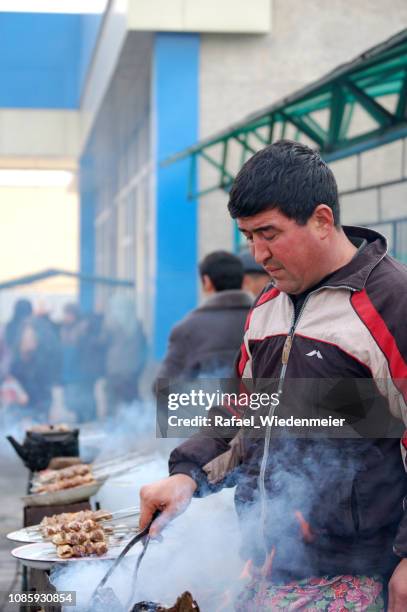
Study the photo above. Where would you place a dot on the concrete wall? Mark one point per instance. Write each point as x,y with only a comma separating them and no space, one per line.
243,73
373,192
373,185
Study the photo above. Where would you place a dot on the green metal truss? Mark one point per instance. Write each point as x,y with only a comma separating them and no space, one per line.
358,106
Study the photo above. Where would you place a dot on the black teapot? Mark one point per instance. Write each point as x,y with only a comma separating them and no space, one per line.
38,448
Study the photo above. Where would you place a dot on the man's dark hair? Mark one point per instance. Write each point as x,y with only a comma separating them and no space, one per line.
286,175
224,269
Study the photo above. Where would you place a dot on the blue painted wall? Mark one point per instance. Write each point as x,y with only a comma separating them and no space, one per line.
175,82
86,233
44,57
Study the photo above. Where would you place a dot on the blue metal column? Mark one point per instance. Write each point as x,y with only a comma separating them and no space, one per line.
175,90
86,234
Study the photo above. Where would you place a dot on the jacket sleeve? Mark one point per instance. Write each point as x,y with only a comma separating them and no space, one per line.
381,307
197,456
400,541
397,396
193,455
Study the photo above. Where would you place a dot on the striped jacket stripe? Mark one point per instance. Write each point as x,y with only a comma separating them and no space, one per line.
383,337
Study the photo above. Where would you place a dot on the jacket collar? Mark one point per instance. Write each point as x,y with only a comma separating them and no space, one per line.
233,298
357,271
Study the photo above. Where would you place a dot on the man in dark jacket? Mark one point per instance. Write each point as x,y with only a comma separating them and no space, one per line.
207,340
255,277
328,507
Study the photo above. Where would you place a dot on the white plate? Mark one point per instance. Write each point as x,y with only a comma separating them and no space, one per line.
24,536
65,496
43,555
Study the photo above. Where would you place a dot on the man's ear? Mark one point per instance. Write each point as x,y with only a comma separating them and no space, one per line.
207,284
323,220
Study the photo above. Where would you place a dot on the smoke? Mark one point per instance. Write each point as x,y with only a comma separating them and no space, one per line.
203,550
132,428
13,420
11,425
199,551
308,485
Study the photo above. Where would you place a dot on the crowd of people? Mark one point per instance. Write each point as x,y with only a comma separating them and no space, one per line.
84,366
51,367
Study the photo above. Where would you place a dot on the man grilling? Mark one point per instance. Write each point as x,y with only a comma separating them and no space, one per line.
327,511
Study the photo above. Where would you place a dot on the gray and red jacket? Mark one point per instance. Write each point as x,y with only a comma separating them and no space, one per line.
350,491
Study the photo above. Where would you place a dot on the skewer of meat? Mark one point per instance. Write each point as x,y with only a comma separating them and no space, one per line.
66,551
68,483
49,476
50,525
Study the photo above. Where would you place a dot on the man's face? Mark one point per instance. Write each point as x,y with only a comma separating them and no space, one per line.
288,251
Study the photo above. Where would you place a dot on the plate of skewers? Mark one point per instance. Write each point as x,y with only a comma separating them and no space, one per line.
77,482
66,486
73,536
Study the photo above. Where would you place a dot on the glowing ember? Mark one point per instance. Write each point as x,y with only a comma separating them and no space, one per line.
226,602
268,564
306,531
247,570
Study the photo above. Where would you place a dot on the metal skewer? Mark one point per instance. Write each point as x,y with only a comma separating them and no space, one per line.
117,515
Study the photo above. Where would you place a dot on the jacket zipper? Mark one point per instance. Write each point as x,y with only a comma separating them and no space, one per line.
284,363
354,508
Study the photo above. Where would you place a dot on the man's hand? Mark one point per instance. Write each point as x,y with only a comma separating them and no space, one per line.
170,495
398,588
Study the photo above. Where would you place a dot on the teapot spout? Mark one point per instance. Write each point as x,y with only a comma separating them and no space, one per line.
20,450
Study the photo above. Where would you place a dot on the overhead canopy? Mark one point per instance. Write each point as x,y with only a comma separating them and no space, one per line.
29,279
44,57
357,106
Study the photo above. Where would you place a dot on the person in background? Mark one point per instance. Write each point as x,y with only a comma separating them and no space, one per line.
48,334
35,367
126,352
43,319
78,388
255,277
13,398
22,311
207,340
92,353
4,354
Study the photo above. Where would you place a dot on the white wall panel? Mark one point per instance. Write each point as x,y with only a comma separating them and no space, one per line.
105,58
39,133
201,15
